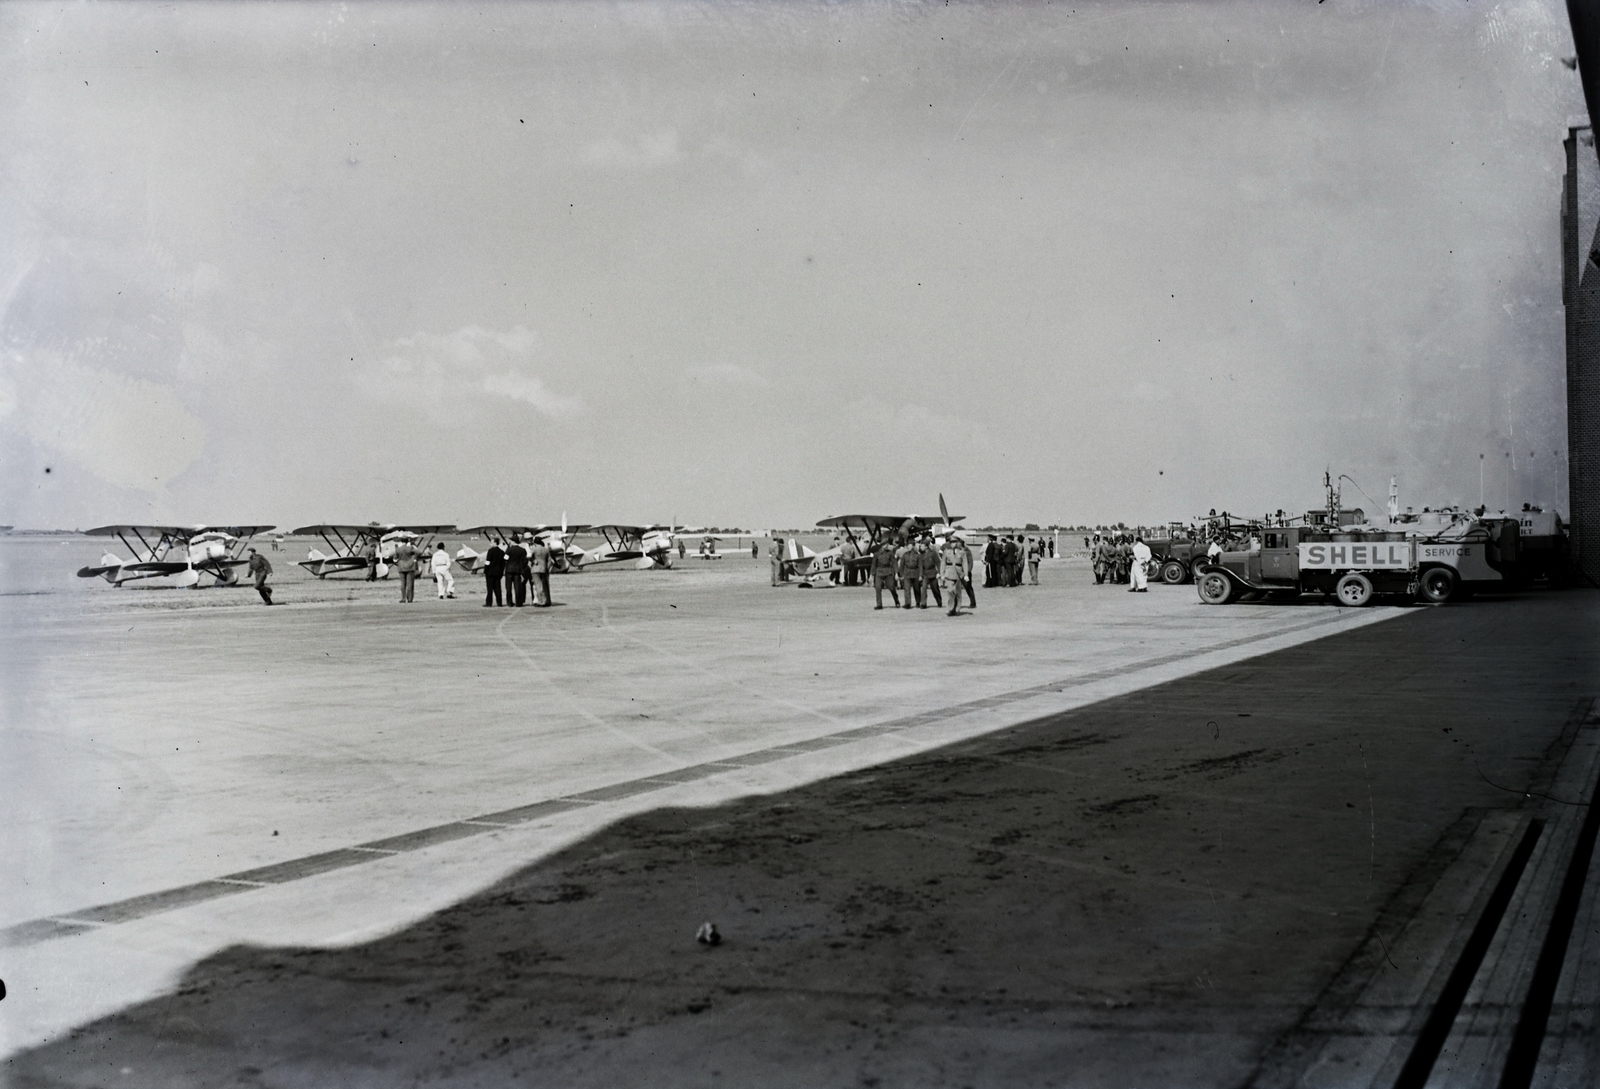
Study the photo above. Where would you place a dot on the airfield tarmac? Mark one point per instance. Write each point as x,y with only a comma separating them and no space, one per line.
1082,837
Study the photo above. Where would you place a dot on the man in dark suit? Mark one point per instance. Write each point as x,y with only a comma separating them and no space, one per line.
991,563
516,574
494,573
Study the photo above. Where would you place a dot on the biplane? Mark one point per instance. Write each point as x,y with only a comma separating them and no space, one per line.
648,546
865,531
183,553
564,555
353,549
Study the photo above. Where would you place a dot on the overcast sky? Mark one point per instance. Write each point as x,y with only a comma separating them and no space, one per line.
758,263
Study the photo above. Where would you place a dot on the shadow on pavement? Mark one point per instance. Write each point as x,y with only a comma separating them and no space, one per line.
1150,891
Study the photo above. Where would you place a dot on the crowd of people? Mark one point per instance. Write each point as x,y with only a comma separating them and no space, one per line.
1121,558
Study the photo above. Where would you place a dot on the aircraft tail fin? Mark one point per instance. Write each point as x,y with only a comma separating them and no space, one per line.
316,554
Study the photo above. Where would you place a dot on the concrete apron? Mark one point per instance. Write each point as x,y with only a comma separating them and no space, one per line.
1366,1029
99,958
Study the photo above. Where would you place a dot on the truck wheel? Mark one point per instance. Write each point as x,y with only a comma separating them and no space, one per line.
1172,572
1438,585
1354,590
1216,588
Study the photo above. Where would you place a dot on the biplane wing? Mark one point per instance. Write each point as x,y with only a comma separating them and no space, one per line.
166,551
648,546
565,554
349,545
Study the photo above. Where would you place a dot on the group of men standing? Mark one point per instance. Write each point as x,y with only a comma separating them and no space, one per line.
1004,557
915,569
521,563
1121,558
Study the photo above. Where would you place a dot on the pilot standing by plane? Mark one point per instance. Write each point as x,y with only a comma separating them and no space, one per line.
442,578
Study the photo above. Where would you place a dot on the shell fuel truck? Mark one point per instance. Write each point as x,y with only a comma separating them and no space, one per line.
1437,556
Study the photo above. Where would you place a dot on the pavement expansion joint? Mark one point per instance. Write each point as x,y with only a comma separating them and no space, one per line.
897,729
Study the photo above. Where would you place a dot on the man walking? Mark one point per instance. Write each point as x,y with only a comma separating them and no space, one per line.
442,578
1137,574
405,562
955,571
539,566
260,569
516,574
494,571
883,573
931,562
966,568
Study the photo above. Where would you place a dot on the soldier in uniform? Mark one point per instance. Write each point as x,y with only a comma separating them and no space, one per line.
776,552
1035,554
966,570
909,568
883,572
930,562
955,570
1100,558
1124,558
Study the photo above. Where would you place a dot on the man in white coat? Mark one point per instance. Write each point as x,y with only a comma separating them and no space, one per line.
442,578
1138,579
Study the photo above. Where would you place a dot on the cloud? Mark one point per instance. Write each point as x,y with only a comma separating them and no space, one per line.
729,374
126,431
532,390
450,374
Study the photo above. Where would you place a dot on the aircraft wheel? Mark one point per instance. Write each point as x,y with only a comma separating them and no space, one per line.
1216,588
1172,572
1354,590
1438,585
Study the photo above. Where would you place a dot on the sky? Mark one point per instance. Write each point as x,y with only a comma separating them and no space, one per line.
760,263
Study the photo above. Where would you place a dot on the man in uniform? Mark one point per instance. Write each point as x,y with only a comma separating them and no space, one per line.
260,569
369,552
883,572
405,562
494,573
966,569
1137,575
776,552
909,568
1035,554
1124,558
516,573
1097,557
955,571
539,569
930,562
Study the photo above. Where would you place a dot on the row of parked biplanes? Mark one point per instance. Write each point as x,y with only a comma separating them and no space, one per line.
187,554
